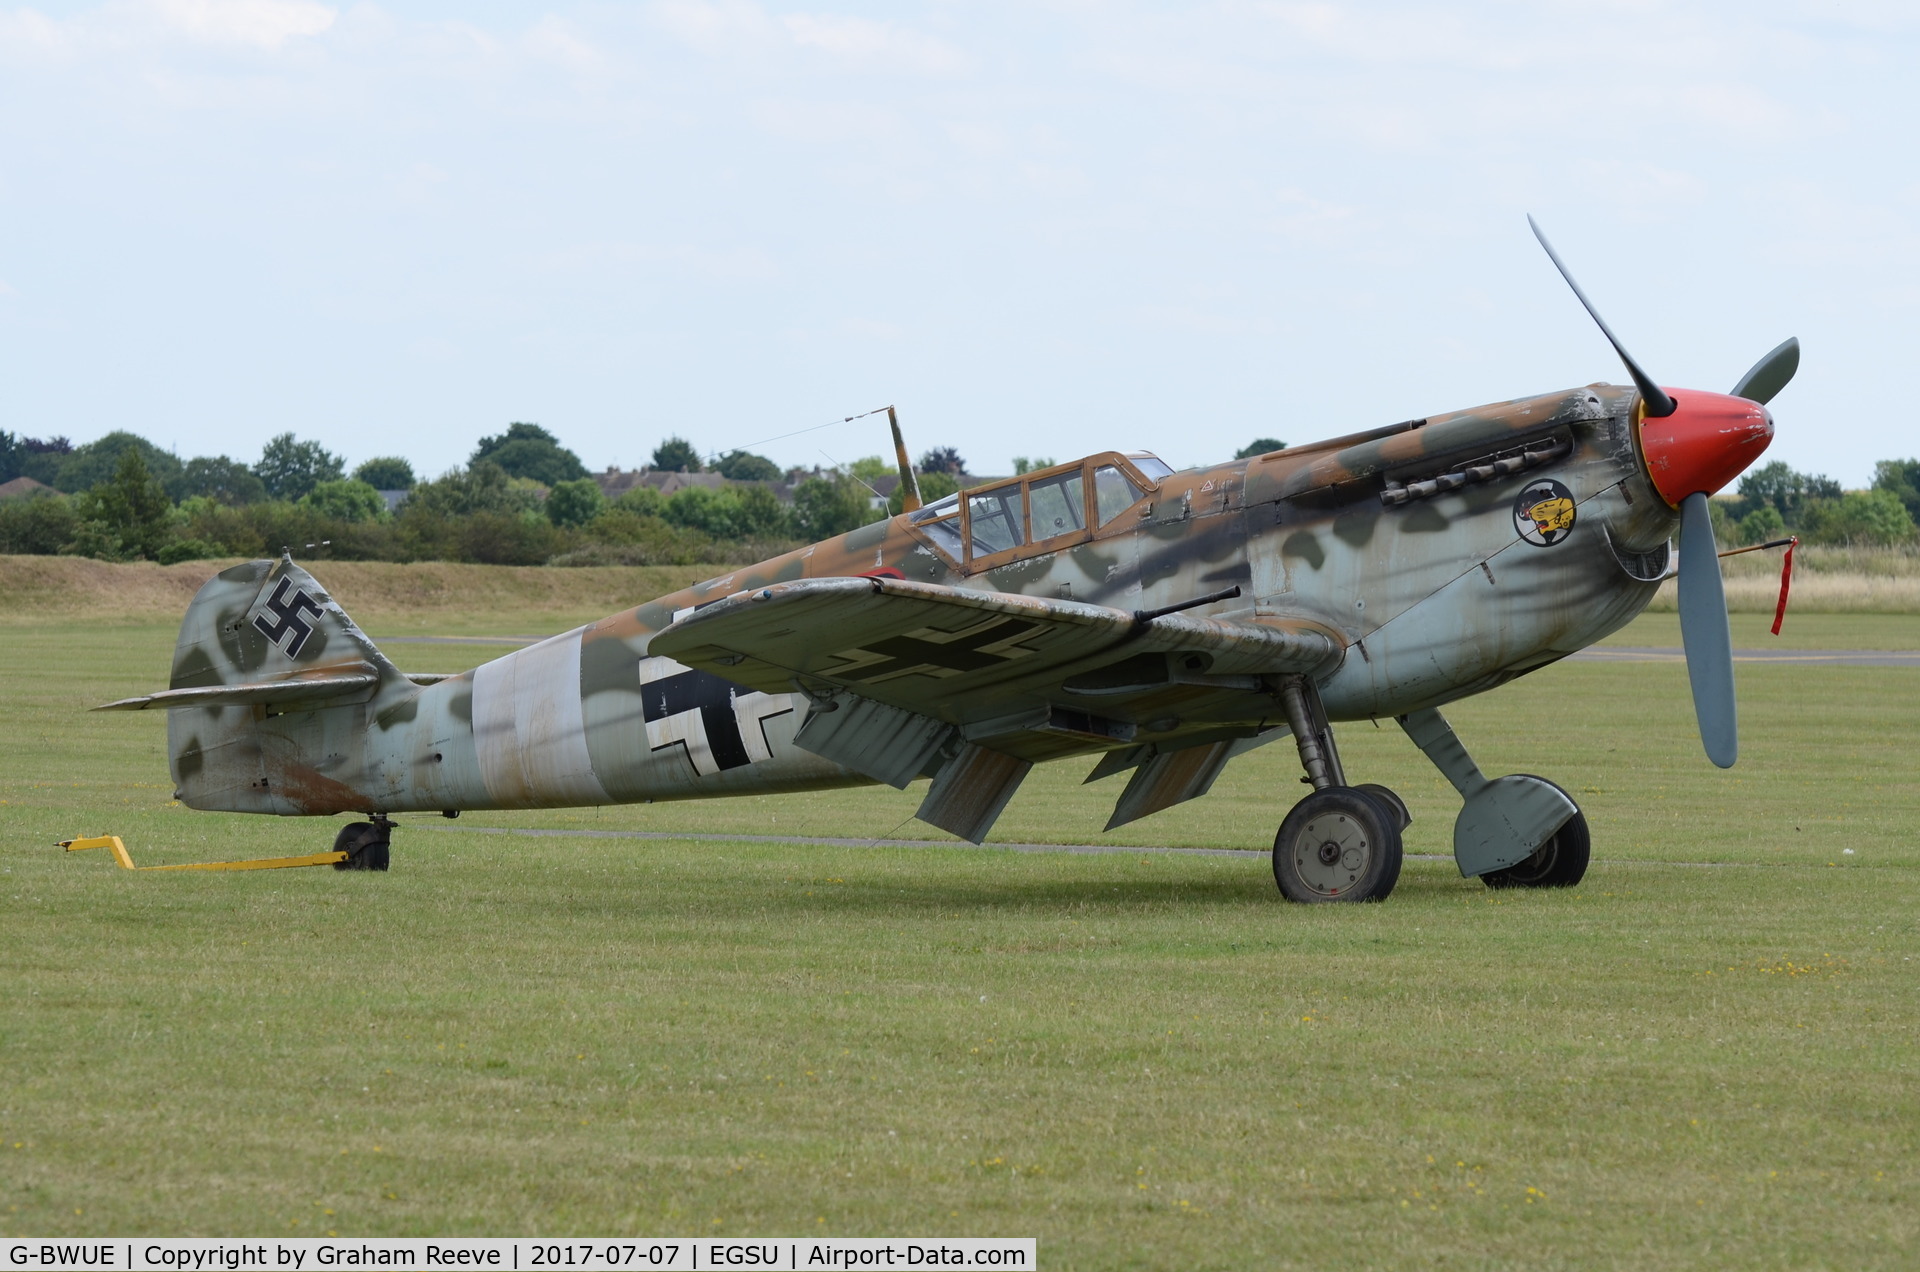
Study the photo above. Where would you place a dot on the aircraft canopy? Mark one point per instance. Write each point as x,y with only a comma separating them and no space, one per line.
1041,511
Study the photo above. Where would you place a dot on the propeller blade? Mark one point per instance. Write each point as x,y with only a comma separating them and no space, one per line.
1770,375
1657,401
1705,634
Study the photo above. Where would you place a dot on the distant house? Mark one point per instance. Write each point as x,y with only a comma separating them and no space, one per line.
395,498
21,487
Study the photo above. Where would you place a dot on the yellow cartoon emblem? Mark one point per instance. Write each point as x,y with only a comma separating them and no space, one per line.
1552,514
1544,513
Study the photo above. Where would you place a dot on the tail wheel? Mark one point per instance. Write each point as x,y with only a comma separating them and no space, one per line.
1561,862
1338,844
365,844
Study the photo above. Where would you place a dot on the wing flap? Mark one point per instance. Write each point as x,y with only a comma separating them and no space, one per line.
1164,778
887,744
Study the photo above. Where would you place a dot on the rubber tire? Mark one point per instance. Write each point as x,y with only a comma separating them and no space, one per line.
1377,822
1561,862
366,847
1390,798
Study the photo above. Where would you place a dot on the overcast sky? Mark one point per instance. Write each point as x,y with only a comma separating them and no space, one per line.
1038,228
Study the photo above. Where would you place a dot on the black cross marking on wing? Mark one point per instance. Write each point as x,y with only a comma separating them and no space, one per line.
287,618
907,653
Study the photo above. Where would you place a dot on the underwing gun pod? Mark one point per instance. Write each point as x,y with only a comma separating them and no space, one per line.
1158,623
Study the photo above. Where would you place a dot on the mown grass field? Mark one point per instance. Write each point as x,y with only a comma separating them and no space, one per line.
1704,1056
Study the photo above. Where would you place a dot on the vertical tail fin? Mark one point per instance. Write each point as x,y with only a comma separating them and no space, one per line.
266,621
260,641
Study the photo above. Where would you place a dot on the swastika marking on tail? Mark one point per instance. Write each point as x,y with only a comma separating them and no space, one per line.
288,618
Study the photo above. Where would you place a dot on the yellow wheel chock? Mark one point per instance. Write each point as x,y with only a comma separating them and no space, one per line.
121,855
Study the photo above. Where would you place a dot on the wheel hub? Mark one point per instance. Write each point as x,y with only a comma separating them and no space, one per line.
1332,853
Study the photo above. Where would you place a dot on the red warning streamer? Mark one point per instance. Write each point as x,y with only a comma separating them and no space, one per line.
1786,571
1786,582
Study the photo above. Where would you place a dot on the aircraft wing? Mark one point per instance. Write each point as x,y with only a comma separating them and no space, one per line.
966,657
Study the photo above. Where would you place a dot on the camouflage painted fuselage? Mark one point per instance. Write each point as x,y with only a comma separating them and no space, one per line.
1439,558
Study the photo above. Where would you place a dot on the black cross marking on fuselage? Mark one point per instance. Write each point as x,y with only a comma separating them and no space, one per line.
964,654
712,697
287,618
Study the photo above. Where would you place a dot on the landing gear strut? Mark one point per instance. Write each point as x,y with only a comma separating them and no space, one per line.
1341,843
365,844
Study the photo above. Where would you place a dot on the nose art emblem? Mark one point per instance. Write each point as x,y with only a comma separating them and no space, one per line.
1544,512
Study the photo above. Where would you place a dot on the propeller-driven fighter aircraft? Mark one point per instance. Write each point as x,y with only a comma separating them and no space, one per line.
1159,622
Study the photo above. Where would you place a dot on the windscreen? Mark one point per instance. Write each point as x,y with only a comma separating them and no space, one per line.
1114,492
998,519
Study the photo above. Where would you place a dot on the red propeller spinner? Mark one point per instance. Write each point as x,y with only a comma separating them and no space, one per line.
1706,441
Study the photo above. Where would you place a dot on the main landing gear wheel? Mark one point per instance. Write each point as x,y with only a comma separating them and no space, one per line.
1395,805
1338,844
365,845
1561,862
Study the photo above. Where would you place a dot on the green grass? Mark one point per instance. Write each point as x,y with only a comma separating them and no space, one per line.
1689,1065
1799,631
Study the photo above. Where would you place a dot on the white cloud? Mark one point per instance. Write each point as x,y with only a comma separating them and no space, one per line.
982,140
265,24
725,26
875,45
29,31
1300,217
737,264
554,40
147,26
818,122
1201,321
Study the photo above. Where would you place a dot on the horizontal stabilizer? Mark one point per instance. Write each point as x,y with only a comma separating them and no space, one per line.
302,687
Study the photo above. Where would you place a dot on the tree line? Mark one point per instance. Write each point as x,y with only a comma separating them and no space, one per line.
522,498
1774,501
